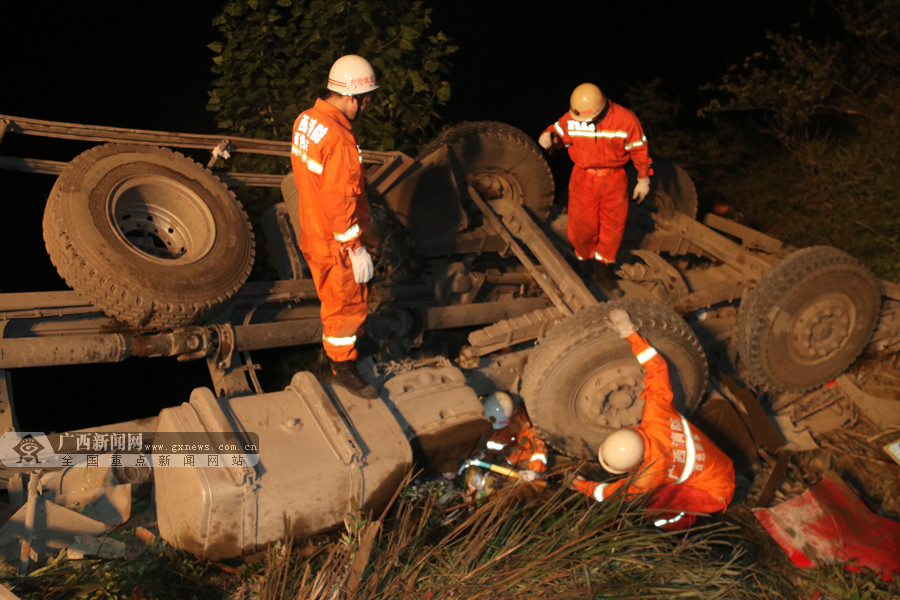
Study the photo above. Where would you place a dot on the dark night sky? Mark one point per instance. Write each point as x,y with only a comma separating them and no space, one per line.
146,65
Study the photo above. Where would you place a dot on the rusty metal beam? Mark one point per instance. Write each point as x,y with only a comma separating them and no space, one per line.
98,133
8,421
750,238
716,245
517,220
55,167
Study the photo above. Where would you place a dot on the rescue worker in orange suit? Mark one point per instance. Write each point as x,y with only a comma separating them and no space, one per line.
329,176
515,438
678,465
601,137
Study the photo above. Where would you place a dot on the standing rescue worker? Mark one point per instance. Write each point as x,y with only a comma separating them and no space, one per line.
679,465
601,137
515,438
329,176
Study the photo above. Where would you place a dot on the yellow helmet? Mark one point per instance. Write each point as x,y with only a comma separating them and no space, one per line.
586,102
621,451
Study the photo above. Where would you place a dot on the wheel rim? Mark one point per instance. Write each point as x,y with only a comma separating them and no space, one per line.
822,327
161,220
610,397
493,185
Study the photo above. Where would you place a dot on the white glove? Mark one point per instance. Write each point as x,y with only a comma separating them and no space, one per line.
527,475
621,322
363,269
641,189
546,140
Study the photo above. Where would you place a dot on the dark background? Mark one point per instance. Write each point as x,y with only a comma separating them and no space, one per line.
147,66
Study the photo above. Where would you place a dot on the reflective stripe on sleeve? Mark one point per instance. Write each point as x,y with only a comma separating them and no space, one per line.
646,355
350,234
559,129
598,492
691,451
636,143
495,445
311,165
675,519
340,341
314,166
539,456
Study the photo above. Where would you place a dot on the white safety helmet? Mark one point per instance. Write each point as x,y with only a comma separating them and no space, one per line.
586,102
351,75
621,451
498,407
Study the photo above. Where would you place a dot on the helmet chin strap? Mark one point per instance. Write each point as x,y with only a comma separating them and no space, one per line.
603,112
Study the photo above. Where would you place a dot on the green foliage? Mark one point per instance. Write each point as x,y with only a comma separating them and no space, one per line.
273,57
832,108
790,88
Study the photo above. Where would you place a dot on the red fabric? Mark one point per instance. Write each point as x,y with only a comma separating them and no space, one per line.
521,441
343,303
710,485
329,176
619,139
829,524
598,203
598,209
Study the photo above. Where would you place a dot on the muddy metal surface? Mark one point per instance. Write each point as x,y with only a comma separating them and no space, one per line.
158,251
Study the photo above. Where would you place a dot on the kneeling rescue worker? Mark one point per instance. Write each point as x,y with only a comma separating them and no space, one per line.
679,465
515,438
329,176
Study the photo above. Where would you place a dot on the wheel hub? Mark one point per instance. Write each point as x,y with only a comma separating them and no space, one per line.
610,397
822,328
492,186
161,219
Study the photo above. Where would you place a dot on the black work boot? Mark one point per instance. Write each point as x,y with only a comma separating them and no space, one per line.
347,376
365,346
604,275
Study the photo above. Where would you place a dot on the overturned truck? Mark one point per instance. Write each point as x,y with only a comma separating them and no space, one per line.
474,292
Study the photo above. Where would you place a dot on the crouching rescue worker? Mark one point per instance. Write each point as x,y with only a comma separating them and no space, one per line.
514,442
666,456
601,137
328,173
515,438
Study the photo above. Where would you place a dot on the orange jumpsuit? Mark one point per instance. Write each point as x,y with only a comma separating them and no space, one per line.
598,187
681,466
520,444
329,176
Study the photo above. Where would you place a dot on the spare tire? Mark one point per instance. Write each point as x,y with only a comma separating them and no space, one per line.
501,158
582,381
807,319
147,235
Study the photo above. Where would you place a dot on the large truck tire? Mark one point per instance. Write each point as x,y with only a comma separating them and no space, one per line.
147,235
501,158
807,320
582,381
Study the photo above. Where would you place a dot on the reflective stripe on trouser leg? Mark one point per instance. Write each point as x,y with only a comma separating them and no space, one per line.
343,306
